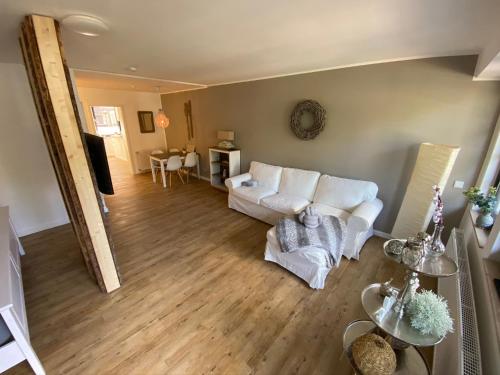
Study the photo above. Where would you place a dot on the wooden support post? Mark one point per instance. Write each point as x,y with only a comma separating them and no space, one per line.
58,114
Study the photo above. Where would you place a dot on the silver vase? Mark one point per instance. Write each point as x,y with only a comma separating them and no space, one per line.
436,247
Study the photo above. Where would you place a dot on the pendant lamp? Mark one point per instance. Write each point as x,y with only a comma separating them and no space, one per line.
162,121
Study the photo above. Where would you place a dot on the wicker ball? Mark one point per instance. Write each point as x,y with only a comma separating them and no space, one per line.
373,355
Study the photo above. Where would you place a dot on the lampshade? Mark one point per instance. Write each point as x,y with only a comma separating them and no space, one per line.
226,135
161,120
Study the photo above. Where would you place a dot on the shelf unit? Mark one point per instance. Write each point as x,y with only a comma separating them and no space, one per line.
224,163
15,345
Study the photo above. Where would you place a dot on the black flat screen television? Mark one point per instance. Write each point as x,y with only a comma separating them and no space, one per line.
99,161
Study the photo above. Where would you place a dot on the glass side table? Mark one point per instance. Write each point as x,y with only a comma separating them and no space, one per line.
431,266
390,321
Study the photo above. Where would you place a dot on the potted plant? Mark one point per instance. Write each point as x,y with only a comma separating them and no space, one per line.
486,203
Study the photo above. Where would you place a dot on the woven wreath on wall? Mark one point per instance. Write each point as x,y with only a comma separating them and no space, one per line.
318,114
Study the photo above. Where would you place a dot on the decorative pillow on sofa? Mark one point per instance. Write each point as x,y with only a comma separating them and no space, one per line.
267,175
250,183
299,182
344,193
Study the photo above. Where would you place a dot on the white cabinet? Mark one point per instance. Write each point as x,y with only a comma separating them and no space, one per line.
12,307
223,164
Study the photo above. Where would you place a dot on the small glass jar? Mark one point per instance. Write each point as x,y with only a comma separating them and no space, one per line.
395,247
413,252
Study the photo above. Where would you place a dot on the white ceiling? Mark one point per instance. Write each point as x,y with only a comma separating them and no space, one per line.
221,41
85,78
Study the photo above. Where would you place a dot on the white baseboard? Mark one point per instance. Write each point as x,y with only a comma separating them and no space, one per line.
193,174
379,233
42,226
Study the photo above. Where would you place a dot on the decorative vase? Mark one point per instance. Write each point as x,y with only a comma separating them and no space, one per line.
436,247
425,240
484,220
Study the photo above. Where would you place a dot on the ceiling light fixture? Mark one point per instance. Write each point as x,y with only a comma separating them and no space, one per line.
84,25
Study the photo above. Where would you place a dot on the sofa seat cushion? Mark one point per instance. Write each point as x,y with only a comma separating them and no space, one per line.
266,175
285,203
299,182
344,193
325,209
253,193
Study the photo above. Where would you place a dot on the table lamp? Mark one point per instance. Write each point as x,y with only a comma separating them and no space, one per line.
226,137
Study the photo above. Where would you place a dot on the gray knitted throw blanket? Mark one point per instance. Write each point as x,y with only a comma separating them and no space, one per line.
293,235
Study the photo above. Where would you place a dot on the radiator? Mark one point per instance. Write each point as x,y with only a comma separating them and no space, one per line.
142,160
459,353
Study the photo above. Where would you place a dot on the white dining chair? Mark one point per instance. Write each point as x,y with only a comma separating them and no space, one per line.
190,148
173,150
174,164
189,163
156,164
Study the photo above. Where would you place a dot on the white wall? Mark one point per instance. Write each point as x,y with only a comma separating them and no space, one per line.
116,145
28,183
488,59
130,102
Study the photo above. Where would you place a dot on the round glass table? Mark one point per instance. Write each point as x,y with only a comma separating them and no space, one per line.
390,321
432,266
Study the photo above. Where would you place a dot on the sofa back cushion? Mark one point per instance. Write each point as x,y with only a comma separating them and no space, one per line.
299,183
266,175
344,193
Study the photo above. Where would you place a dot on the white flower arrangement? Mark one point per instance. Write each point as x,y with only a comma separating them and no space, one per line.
429,314
437,217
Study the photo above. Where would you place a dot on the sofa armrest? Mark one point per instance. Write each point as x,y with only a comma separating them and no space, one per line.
234,182
364,215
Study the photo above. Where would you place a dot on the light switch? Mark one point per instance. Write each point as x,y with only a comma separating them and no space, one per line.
458,184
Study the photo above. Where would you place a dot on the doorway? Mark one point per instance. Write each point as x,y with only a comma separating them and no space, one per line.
108,124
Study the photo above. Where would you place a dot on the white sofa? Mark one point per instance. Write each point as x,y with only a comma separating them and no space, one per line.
287,191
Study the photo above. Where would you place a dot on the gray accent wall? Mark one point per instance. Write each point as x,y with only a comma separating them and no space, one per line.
377,115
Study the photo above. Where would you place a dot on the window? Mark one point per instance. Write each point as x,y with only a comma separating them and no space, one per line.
106,120
490,176
490,172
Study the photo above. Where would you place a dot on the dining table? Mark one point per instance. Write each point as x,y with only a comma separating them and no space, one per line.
163,158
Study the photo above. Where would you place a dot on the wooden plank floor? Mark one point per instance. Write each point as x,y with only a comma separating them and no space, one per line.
197,297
